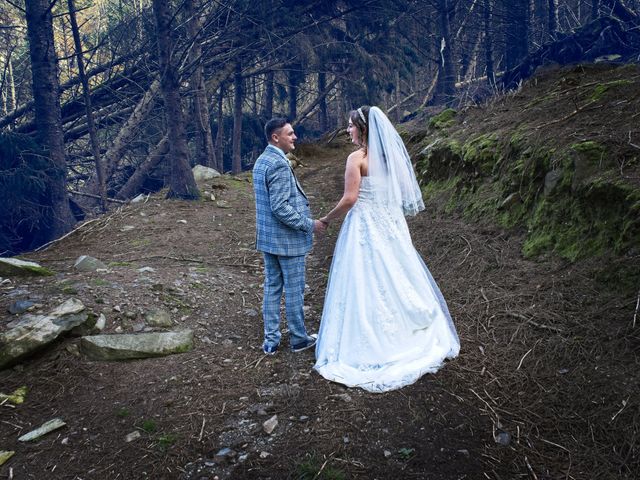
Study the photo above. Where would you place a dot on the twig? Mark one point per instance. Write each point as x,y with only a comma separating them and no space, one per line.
202,429
533,474
635,314
46,245
114,200
323,465
624,405
524,356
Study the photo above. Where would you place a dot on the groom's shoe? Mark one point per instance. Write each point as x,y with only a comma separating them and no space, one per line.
305,345
269,349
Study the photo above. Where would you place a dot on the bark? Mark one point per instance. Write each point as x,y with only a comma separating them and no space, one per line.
595,9
220,132
236,160
205,154
516,33
323,120
93,134
293,95
181,182
135,181
46,96
488,43
446,76
318,101
552,25
268,96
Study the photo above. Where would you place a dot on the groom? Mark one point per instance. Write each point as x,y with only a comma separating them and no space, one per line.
284,234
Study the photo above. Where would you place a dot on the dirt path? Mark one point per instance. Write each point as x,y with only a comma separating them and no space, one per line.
189,407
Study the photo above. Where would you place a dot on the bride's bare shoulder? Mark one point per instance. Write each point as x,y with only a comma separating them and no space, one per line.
357,157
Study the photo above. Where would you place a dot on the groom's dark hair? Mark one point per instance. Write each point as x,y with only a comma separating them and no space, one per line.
274,124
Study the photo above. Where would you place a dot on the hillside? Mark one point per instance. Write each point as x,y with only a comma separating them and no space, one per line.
545,386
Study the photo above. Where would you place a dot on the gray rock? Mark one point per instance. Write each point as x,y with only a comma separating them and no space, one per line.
46,427
551,180
503,438
132,436
223,204
140,198
137,345
269,425
224,454
32,332
13,267
158,318
20,306
85,263
202,173
92,326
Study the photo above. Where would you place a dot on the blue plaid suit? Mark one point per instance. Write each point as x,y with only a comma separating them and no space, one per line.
284,234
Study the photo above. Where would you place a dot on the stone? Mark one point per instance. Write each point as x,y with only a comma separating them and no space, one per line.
86,263
127,228
20,306
551,180
14,267
269,425
101,322
92,326
503,438
132,436
46,427
202,173
386,453
32,332
224,454
5,455
264,454
158,318
345,397
223,204
136,345
146,270
140,198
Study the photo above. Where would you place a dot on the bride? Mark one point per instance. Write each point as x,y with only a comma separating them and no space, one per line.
385,322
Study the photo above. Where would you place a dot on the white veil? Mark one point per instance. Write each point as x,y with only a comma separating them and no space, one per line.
389,160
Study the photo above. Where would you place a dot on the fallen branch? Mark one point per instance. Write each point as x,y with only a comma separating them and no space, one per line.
75,192
47,245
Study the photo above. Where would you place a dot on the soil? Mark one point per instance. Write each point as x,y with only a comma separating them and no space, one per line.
545,386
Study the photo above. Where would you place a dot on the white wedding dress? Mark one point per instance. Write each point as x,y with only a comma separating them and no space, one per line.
385,322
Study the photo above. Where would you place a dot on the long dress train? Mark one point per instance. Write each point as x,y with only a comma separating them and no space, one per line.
385,322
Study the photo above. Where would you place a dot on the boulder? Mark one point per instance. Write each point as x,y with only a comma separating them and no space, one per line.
202,173
158,318
136,345
32,332
85,263
13,267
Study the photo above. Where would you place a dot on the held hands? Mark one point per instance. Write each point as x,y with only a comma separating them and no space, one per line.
320,227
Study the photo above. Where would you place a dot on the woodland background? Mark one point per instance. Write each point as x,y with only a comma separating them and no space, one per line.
102,100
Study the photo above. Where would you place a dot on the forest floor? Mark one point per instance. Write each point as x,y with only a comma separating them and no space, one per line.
506,408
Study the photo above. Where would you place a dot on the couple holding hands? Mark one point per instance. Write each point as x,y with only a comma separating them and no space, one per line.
384,321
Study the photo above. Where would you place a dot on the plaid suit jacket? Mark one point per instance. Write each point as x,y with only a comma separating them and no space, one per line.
283,220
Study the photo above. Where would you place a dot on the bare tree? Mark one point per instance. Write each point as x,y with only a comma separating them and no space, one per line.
93,134
236,161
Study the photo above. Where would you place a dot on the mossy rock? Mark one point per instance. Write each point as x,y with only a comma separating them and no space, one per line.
444,119
14,267
601,89
482,152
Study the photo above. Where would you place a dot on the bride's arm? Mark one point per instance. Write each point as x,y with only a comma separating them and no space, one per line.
351,188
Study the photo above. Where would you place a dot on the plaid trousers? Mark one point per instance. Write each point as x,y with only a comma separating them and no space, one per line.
284,272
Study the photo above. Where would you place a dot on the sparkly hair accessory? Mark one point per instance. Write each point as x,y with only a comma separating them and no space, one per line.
362,115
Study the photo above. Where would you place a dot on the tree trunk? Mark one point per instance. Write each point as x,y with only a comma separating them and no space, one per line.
268,96
181,182
205,154
48,118
136,180
236,162
595,9
93,134
294,80
323,121
488,43
516,33
446,77
553,19
220,132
